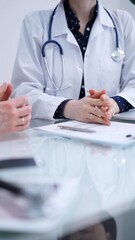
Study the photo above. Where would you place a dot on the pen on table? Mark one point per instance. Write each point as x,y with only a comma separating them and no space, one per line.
130,136
76,129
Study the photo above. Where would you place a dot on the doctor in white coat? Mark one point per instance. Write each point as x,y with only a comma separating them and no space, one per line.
86,71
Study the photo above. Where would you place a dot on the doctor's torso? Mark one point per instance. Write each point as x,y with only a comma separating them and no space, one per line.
99,69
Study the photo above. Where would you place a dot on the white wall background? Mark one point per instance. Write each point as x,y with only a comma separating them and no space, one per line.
11,15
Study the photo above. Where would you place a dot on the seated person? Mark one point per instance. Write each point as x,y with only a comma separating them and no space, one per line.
65,52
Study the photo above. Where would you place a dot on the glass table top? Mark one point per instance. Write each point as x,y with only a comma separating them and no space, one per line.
105,199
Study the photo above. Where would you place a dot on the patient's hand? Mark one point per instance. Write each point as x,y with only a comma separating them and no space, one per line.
5,91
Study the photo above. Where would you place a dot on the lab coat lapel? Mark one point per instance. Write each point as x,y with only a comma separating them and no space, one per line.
101,21
96,29
60,27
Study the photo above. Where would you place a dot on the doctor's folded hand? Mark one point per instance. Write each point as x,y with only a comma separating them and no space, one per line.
112,106
89,109
15,114
77,46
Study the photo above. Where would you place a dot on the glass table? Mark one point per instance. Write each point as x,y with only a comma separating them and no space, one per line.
105,174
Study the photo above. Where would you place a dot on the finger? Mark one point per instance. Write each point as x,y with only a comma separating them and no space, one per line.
100,120
23,111
23,121
20,128
99,113
96,94
111,112
20,101
97,102
92,92
13,126
8,92
96,111
104,97
104,108
3,89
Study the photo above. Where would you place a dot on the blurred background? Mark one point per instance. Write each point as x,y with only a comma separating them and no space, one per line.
11,15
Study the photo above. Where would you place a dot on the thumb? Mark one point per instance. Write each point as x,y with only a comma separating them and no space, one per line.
104,97
3,89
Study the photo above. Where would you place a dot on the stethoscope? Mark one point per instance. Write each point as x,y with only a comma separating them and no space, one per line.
50,41
117,55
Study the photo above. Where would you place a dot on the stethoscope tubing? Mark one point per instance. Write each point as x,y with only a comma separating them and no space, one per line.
53,42
59,46
115,29
117,55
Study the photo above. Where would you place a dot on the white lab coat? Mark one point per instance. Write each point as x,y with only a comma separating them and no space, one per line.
100,71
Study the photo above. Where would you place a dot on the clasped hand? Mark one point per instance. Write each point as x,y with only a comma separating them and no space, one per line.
97,107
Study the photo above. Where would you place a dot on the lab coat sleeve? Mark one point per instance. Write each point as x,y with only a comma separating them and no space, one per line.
28,76
128,69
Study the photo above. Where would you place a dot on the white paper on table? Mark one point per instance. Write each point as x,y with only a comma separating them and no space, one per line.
117,133
126,116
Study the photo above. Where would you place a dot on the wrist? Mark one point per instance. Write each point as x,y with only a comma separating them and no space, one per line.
115,106
69,109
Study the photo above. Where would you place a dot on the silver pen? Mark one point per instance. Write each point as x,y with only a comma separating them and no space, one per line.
76,129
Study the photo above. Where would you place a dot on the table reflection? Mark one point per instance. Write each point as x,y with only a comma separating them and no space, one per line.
105,176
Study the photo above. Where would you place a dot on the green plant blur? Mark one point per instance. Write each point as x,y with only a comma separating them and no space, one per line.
133,1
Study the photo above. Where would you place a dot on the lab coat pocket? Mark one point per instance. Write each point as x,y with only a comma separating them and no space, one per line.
110,73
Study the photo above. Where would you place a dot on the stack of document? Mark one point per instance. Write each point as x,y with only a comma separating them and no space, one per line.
117,133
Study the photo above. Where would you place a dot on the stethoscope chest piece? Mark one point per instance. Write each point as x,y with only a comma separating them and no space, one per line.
118,55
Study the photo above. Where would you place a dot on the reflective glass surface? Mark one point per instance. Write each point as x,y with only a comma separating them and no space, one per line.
103,199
